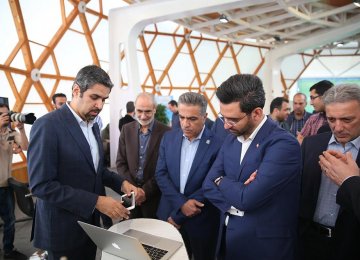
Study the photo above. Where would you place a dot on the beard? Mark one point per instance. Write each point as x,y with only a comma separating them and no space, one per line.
144,122
89,116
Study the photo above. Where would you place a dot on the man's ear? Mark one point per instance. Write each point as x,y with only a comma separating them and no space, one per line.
76,90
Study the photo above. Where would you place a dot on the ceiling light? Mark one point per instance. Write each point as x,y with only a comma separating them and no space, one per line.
357,3
340,44
223,18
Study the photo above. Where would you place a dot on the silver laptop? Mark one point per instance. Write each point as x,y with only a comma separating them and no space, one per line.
132,244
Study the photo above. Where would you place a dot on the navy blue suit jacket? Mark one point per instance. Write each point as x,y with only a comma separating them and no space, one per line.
64,180
268,228
168,179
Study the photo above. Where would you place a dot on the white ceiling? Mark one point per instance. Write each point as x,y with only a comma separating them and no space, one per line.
275,23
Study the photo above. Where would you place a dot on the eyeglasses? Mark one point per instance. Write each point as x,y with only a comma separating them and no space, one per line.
314,97
230,123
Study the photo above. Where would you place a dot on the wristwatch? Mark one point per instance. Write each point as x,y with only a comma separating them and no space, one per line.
218,180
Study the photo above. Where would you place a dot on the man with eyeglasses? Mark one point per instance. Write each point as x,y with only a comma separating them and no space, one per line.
185,157
137,155
250,182
318,120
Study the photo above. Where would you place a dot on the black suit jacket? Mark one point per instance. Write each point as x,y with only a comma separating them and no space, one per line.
123,121
347,226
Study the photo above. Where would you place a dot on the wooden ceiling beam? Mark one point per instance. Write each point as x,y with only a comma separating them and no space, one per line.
89,38
148,59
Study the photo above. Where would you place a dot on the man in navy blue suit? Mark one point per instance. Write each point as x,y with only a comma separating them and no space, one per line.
185,157
255,180
67,173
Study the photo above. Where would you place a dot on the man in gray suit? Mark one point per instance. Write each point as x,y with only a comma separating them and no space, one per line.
137,155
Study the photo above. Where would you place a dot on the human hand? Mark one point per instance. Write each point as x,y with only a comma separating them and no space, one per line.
112,208
19,125
127,188
338,167
191,207
251,178
16,149
4,119
140,196
300,137
337,154
172,222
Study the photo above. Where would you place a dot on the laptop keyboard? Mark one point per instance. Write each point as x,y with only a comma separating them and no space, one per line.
154,253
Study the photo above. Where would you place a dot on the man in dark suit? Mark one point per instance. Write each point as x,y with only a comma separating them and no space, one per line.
279,111
137,155
67,176
173,107
327,229
129,117
185,158
255,180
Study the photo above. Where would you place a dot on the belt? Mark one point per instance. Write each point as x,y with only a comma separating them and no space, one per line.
323,230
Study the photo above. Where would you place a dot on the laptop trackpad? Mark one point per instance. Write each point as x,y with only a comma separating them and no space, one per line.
143,237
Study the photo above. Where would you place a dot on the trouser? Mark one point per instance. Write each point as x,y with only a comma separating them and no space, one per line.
199,248
315,243
7,204
85,252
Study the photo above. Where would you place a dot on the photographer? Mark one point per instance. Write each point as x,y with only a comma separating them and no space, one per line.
11,142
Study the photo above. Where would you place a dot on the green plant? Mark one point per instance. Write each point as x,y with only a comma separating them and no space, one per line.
160,114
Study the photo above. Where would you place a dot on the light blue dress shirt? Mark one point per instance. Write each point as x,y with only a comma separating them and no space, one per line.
188,151
327,209
86,128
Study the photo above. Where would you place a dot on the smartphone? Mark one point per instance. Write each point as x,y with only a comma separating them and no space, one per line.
128,201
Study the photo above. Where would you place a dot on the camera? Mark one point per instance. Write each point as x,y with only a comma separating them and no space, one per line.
28,118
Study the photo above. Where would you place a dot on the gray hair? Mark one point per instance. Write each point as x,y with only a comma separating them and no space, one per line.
342,93
90,75
150,96
194,99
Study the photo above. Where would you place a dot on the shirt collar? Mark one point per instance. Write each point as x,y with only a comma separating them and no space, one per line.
79,119
355,142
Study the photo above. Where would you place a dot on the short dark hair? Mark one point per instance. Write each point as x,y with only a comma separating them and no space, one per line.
173,103
91,75
244,88
57,95
277,103
130,107
5,105
321,87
